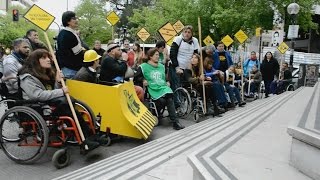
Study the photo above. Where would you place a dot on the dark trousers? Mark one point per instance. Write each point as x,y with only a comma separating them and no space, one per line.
267,84
218,92
167,100
63,109
233,92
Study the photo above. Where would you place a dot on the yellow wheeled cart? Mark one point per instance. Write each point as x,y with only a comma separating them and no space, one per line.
121,111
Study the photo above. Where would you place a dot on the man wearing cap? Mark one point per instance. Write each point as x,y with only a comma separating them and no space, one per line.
88,72
69,48
113,69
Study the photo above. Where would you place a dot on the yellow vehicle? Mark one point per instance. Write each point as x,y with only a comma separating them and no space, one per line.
120,110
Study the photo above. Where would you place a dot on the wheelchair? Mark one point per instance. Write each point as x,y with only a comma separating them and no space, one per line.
27,130
190,101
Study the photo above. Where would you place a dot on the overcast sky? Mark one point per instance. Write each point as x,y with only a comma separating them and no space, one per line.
56,8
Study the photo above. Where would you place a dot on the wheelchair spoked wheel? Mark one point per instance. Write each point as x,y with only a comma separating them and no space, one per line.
290,87
182,98
24,135
61,158
81,106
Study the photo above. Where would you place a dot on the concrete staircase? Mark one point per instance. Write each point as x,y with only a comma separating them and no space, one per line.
305,148
170,157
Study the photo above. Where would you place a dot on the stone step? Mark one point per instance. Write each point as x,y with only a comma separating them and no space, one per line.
161,150
204,160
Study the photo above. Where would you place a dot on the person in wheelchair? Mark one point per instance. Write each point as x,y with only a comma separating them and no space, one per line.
194,77
232,90
255,80
88,72
217,78
114,70
152,74
40,82
279,86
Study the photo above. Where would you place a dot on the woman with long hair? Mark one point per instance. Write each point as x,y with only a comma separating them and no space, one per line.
194,76
40,82
269,69
137,55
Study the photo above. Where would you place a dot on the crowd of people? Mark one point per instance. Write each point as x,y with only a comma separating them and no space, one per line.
158,72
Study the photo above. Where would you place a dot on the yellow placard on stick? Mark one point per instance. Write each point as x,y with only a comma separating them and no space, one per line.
258,32
143,34
39,17
169,43
113,18
167,32
227,40
208,41
283,47
241,36
178,26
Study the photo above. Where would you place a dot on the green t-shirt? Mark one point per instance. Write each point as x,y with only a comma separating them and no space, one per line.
155,76
161,58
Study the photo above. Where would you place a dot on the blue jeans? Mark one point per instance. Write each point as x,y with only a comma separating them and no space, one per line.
218,92
233,92
68,73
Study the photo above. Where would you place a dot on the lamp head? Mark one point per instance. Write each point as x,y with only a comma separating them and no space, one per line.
293,8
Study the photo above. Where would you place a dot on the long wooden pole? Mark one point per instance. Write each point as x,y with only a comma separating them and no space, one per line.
201,67
64,85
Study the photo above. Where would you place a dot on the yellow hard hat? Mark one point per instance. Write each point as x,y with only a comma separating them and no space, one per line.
91,55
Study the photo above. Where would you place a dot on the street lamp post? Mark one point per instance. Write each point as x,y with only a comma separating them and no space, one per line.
293,10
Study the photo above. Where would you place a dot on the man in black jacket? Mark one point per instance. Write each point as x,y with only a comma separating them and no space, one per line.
70,51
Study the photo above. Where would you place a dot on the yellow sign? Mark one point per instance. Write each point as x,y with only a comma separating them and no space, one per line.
39,17
178,26
241,36
167,32
143,34
258,31
283,47
113,18
227,40
208,41
169,43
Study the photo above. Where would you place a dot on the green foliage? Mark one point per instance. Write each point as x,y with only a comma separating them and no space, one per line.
92,22
10,30
222,17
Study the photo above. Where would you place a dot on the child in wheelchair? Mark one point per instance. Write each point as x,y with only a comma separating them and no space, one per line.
39,82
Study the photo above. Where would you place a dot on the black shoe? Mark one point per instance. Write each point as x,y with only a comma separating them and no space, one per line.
242,103
91,144
266,96
177,125
210,111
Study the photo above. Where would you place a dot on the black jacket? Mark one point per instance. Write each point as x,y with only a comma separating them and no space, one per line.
269,69
66,41
84,74
111,68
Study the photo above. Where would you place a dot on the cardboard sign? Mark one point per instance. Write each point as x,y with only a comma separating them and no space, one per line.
241,36
178,26
227,40
167,32
113,18
283,47
39,17
143,34
208,41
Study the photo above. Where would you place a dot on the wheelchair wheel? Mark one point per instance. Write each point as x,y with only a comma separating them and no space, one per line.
24,135
81,106
196,117
61,158
290,87
182,98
